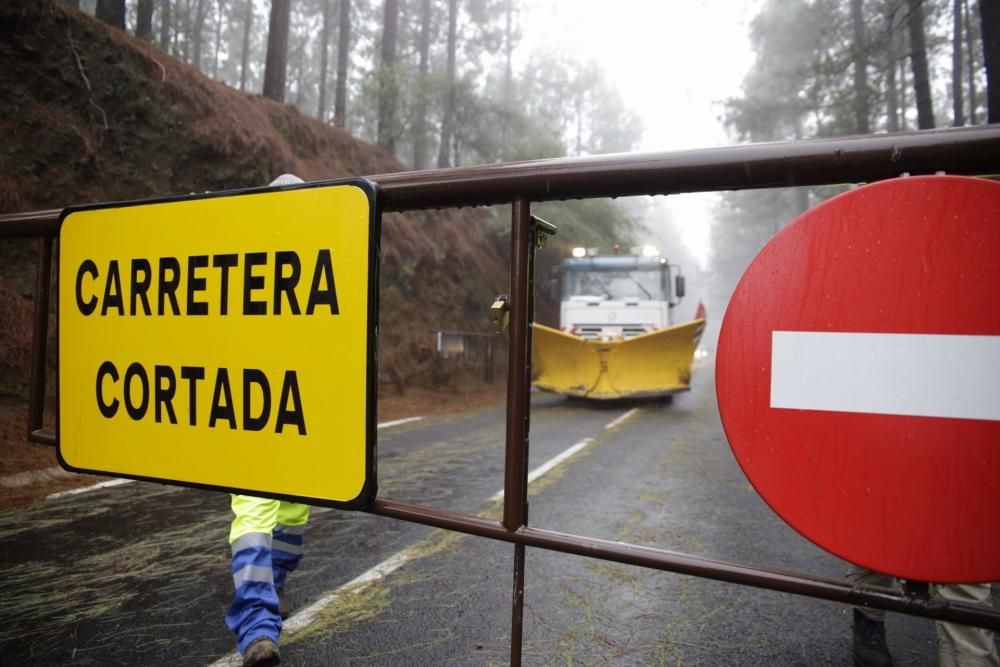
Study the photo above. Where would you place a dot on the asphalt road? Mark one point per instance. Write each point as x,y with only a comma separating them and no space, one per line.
139,573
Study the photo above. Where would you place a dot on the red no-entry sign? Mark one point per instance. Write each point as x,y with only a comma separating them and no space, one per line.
858,377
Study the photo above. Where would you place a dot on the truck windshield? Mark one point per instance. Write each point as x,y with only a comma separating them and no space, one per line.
615,285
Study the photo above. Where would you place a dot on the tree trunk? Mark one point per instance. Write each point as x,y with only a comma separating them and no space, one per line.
386,136
276,61
245,55
859,54
299,73
904,88
970,50
508,81
989,16
165,25
324,50
111,12
448,120
918,61
578,106
220,9
184,48
508,73
343,53
194,35
420,156
144,20
957,104
891,90
200,12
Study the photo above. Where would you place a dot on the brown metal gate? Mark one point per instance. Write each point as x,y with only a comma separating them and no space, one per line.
969,151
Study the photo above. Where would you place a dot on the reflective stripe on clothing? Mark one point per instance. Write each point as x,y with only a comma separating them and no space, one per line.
288,539
290,530
251,540
255,573
287,547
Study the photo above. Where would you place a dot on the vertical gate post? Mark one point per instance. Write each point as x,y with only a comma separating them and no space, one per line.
515,510
39,342
488,361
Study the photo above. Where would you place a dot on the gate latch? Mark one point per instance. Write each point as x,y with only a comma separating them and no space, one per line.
500,312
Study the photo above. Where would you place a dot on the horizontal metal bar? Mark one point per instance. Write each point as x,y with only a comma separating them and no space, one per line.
438,518
33,223
835,590
964,150
43,437
972,150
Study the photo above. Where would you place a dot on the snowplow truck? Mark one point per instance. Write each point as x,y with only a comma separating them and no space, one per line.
616,338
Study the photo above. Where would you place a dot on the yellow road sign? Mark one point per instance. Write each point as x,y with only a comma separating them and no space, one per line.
225,341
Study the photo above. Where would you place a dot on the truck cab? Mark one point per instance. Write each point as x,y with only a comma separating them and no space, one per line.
615,297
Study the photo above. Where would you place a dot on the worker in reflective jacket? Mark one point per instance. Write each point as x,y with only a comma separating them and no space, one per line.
266,540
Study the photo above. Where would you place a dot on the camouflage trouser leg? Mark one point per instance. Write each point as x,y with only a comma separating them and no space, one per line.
865,578
961,645
958,645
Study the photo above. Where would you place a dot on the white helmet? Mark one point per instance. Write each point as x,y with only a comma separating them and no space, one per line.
286,179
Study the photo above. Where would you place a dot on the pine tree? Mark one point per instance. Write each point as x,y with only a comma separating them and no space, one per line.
918,61
277,50
111,12
343,53
388,87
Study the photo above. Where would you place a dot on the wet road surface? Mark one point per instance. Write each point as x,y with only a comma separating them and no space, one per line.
139,573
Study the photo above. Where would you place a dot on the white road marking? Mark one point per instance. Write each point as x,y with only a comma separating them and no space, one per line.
625,417
920,375
302,619
384,569
559,458
95,487
120,481
549,465
397,422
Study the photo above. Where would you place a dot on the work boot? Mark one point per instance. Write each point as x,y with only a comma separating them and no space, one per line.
282,604
262,652
870,649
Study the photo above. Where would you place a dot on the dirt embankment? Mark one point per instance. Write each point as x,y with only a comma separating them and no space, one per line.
90,114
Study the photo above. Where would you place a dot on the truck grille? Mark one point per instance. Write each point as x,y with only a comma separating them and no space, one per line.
595,331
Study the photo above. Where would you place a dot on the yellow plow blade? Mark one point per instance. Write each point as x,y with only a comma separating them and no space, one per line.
653,364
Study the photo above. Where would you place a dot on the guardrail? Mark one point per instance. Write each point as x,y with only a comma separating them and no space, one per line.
969,151
465,345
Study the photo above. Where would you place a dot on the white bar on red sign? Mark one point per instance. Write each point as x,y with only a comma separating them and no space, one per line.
923,375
